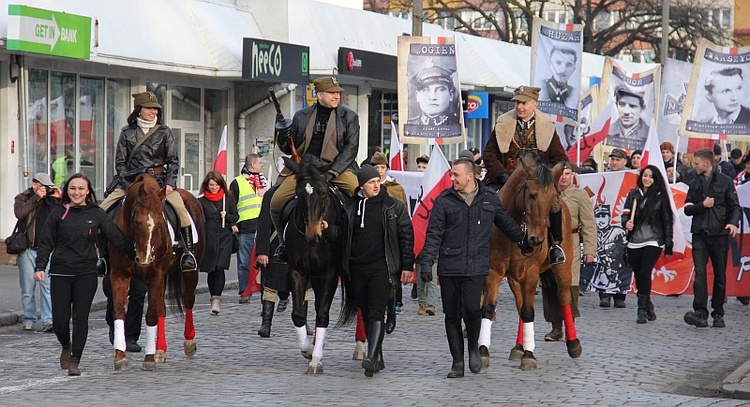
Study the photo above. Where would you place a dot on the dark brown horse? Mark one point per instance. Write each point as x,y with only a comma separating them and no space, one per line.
528,196
316,256
141,218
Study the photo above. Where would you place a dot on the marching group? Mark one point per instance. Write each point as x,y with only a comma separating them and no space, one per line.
63,226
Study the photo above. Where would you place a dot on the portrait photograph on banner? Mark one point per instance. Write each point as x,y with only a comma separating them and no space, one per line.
674,86
429,91
717,105
556,51
635,96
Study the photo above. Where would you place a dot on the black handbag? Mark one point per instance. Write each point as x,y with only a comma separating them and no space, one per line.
16,243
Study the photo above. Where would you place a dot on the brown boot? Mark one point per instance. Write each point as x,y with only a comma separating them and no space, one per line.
73,369
556,334
65,357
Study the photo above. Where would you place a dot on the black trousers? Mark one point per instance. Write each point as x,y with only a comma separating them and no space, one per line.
462,293
642,261
715,248
76,292
134,312
371,290
216,281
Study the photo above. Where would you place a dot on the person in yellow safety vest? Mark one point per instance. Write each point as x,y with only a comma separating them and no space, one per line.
60,166
248,187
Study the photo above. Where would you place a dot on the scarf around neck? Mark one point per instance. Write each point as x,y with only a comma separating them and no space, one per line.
214,197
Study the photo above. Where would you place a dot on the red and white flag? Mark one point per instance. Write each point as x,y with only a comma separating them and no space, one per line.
436,179
599,132
221,157
397,158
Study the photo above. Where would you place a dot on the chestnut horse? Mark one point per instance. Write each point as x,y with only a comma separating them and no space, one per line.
527,196
157,263
316,256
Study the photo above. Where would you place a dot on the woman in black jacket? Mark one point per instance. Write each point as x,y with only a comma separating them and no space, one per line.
382,253
70,235
220,211
648,217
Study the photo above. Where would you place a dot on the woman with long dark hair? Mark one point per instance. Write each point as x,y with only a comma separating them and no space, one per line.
648,218
220,212
70,237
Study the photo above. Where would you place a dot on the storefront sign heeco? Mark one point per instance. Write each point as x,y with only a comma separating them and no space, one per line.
275,61
48,32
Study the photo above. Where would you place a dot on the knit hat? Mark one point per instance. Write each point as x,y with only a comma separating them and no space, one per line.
366,173
378,159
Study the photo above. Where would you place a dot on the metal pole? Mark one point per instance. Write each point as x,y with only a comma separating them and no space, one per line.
416,19
664,32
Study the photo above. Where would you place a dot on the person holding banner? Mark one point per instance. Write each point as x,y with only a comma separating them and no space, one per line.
713,203
649,220
459,230
517,132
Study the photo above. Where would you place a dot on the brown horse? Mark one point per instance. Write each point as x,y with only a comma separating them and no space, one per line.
527,196
141,218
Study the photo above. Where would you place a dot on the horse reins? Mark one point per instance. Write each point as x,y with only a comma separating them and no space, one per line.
524,221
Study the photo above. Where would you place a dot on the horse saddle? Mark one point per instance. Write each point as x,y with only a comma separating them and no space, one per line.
337,215
170,215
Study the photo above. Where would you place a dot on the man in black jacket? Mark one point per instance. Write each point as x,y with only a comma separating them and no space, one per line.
459,230
712,202
326,130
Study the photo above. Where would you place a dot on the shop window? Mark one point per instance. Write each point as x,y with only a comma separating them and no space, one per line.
62,125
186,103
91,134
215,114
118,110
37,153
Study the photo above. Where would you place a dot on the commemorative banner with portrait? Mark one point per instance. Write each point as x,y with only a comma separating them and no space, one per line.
570,134
716,106
635,96
556,51
429,91
674,86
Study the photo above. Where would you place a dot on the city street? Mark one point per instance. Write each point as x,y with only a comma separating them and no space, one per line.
664,363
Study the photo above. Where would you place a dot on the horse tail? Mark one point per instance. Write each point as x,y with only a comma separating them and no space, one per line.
175,288
348,305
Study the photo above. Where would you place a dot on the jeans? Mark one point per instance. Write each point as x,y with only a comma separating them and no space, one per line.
246,242
427,292
715,248
26,265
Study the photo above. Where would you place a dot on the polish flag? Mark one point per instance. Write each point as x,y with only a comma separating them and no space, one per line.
221,157
436,180
598,133
397,158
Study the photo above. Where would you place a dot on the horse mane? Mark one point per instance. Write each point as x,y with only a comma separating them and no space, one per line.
543,173
310,168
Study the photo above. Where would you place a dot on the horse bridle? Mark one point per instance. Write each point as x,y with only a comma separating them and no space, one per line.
523,225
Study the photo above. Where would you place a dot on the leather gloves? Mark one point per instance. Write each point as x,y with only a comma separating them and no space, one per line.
425,274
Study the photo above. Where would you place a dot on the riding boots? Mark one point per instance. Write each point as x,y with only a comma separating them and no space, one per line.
390,315
556,253
371,362
642,306
279,255
472,341
456,344
650,313
267,316
187,262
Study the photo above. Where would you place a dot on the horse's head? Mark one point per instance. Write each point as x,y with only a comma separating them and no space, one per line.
143,214
312,192
532,192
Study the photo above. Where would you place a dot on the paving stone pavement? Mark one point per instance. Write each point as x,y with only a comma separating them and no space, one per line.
661,363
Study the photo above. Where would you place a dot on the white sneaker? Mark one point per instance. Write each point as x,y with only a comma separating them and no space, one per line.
28,326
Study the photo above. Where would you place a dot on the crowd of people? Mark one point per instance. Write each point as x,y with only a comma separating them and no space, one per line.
63,226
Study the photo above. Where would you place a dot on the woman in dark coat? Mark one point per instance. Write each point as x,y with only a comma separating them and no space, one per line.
220,211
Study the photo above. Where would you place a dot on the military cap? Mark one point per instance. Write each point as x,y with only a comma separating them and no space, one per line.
327,84
525,93
146,99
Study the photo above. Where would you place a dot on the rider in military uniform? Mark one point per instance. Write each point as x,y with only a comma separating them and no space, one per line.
155,155
517,132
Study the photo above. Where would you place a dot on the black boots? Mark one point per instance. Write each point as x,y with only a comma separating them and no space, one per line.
267,315
187,262
390,316
372,362
456,344
645,309
279,255
472,342
556,253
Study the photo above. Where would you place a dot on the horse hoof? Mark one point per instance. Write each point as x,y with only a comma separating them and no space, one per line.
149,366
122,364
358,355
160,356
307,353
516,353
190,347
315,366
485,354
528,361
574,348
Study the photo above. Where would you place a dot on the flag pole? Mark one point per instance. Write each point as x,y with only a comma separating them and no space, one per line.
677,150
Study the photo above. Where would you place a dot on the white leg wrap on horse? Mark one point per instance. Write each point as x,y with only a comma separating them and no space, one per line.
528,336
302,340
119,340
150,340
320,340
485,333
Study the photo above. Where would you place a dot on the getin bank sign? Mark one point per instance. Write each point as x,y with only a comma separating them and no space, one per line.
48,32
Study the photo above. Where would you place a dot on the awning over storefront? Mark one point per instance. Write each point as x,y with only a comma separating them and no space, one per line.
186,36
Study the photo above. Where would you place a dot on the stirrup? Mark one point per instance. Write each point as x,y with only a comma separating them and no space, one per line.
279,255
556,254
188,263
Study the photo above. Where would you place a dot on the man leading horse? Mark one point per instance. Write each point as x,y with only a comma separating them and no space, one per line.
520,131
